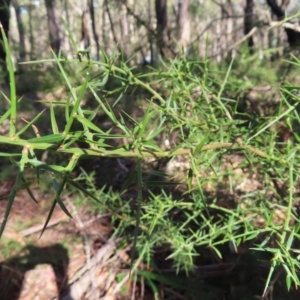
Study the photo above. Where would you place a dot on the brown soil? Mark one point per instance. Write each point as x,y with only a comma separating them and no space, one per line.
53,265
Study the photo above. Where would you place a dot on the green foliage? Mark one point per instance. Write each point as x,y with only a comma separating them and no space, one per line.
9,247
199,106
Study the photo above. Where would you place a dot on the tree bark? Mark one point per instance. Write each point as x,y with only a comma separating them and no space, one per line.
21,30
249,22
53,26
292,35
85,38
95,34
183,25
284,4
162,27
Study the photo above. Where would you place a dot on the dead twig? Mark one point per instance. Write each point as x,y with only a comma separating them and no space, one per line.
286,25
86,241
81,281
38,228
244,38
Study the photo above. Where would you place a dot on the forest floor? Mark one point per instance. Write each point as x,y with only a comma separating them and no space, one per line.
41,267
77,258
73,258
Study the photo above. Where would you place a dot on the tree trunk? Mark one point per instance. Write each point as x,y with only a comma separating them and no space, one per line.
95,34
124,29
292,35
230,37
183,25
284,4
112,26
4,19
21,30
162,27
53,25
85,37
249,22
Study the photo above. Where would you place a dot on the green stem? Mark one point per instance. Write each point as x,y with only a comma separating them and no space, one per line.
286,226
139,200
138,154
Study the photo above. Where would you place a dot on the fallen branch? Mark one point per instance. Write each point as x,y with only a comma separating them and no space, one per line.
292,26
38,228
80,283
244,38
